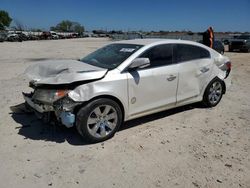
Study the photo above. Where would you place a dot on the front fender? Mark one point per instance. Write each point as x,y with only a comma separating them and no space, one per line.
112,88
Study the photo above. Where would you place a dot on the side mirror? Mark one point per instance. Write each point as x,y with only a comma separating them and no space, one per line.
139,63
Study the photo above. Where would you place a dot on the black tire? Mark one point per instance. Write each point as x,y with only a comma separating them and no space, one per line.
222,52
88,110
211,96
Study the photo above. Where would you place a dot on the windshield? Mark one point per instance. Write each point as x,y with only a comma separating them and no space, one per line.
111,56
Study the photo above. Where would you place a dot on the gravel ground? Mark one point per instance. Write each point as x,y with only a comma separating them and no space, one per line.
189,146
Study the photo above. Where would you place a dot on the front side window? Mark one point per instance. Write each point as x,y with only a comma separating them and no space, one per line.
111,56
186,52
160,55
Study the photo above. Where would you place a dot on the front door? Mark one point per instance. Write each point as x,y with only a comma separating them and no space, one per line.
153,87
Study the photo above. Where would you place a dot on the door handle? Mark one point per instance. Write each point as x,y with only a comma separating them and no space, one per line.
171,78
204,69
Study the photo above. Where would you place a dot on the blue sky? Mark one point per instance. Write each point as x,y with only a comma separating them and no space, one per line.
194,15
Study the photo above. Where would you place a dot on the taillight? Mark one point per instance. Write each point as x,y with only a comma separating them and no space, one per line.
229,64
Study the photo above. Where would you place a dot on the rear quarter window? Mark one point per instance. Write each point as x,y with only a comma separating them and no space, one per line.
186,52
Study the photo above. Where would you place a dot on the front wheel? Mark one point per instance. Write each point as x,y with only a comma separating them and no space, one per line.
213,93
99,120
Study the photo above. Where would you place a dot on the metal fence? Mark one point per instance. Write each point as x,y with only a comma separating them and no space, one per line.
194,37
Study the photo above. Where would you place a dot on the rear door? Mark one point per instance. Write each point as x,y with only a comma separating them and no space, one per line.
195,66
155,86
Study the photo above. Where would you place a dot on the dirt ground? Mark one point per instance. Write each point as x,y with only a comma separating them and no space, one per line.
185,147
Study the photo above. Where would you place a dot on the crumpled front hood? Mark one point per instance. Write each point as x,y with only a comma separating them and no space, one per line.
55,72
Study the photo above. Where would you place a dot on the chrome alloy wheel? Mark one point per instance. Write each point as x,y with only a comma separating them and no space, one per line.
215,92
102,121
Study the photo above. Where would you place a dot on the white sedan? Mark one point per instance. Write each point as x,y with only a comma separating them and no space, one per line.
126,80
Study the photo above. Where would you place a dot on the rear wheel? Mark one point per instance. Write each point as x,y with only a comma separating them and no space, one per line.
213,93
99,120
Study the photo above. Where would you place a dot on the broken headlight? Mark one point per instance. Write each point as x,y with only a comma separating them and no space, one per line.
49,95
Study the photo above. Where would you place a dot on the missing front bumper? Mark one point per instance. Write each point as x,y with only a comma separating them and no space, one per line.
41,108
45,111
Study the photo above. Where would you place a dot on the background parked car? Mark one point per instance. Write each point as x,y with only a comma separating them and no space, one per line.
22,36
3,36
13,37
33,37
219,47
54,35
45,35
240,43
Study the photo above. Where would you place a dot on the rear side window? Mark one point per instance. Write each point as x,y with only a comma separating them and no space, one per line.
185,52
160,55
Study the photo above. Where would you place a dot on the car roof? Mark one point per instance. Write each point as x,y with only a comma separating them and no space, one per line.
145,42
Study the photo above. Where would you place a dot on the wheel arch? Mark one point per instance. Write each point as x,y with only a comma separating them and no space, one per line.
205,99
224,88
223,83
216,78
77,108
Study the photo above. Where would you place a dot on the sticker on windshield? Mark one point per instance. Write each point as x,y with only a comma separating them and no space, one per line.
127,50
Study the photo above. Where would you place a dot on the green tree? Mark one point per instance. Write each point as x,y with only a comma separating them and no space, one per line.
68,26
65,25
5,20
78,28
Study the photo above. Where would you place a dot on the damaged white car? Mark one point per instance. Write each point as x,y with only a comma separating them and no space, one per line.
126,80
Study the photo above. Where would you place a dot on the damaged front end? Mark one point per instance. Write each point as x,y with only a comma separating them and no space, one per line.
52,80
52,105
